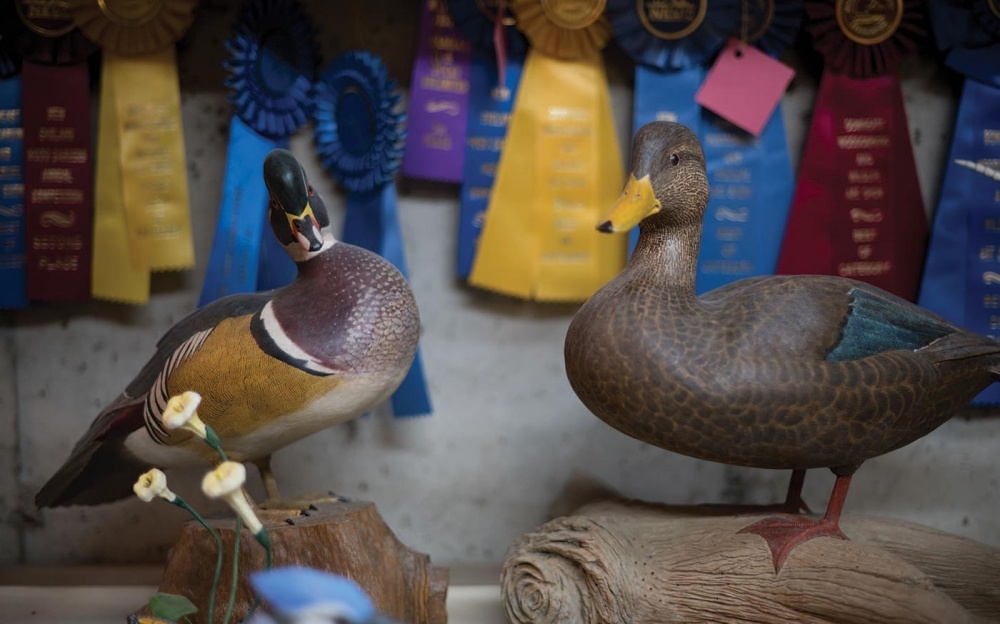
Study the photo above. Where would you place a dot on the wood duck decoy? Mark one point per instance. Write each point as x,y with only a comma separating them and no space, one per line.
273,366
781,372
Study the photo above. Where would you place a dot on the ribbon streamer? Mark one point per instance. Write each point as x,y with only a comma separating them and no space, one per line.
139,65
13,288
857,210
57,201
493,80
961,279
359,137
439,93
560,167
273,60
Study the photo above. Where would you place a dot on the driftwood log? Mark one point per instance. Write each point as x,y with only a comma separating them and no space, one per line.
617,561
348,538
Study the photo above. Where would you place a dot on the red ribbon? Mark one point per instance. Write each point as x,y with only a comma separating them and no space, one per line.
57,181
857,210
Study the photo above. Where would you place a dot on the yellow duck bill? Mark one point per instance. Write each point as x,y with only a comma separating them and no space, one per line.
637,202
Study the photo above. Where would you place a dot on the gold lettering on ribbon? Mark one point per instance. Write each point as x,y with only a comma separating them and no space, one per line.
49,18
869,22
672,19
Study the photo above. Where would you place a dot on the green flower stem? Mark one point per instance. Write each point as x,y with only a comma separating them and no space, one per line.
236,568
212,439
264,540
180,502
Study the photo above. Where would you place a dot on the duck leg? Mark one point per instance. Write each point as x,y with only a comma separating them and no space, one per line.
267,476
793,498
295,506
784,533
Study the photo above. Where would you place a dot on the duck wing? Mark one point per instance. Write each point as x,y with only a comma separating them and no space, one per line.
99,469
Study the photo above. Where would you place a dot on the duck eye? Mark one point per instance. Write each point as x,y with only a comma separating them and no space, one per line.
674,159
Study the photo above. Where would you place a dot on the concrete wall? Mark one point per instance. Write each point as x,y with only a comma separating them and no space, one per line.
507,432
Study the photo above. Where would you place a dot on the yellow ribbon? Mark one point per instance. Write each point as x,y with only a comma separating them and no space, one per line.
560,170
114,277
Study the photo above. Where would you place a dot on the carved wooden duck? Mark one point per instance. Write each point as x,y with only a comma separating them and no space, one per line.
273,367
771,372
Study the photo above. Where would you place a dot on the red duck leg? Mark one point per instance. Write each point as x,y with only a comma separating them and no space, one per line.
784,533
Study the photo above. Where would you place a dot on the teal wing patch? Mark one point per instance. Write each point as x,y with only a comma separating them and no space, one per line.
879,323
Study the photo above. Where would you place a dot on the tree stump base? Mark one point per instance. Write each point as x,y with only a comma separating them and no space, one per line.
349,538
628,562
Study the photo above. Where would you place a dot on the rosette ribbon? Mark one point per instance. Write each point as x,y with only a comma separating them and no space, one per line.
560,167
13,286
439,95
359,125
56,201
961,280
857,211
142,219
493,80
271,69
671,46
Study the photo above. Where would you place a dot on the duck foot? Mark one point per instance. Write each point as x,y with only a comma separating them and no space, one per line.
784,533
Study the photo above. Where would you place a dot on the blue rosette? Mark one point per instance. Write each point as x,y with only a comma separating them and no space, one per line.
969,32
774,25
360,134
670,47
476,20
273,59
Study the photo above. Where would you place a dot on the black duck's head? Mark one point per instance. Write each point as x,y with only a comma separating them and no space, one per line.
667,186
297,214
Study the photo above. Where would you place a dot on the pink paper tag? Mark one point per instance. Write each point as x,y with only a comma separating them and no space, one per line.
744,86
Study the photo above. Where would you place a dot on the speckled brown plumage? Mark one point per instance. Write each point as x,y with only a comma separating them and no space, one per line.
744,374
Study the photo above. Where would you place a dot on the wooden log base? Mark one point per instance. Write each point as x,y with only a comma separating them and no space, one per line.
628,562
347,538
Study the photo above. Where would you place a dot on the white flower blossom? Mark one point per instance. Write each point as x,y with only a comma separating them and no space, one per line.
153,484
182,413
226,482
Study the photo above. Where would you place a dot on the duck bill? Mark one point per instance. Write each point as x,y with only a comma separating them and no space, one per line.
637,202
305,228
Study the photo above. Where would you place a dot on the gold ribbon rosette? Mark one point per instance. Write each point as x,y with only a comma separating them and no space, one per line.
142,218
561,166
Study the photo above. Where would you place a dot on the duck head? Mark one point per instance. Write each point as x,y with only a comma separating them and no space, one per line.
297,214
667,185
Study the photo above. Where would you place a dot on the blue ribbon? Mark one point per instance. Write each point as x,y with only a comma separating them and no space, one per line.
490,108
969,32
273,60
360,137
13,286
473,19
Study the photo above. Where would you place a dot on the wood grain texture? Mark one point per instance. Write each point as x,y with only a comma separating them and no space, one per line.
628,562
350,539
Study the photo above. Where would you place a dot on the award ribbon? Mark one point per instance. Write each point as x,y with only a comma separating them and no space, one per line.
750,177
439,93
274,57
57,199
13,288
670,45
143,220
961,279
560,167
857,211
359,136
493,80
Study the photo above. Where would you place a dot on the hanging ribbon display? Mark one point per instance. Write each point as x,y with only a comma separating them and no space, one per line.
271,68
857,211
670,45
57,200
560,167
750,177
961,279
13,286
359,136
493,80
142,218
439,93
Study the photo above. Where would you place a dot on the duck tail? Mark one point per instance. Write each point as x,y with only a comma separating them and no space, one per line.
99,473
